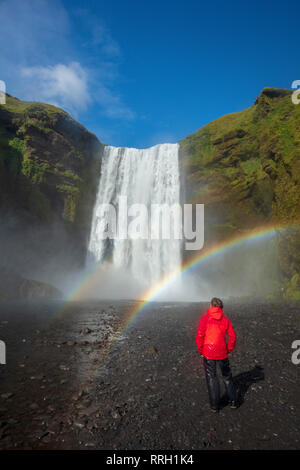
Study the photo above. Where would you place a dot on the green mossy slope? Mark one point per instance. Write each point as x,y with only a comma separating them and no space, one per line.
245,168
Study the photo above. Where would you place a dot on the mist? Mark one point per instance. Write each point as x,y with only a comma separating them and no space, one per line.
136,269
35,252
38,251
251,270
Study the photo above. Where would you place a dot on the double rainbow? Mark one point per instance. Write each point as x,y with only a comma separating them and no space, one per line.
82,291
257,234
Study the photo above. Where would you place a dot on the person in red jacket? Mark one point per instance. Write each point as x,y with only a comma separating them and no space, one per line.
212,346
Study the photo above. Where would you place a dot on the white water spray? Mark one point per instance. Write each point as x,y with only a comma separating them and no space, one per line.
146,176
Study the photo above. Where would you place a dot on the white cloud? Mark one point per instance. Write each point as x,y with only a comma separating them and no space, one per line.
66,86
61,85
50,57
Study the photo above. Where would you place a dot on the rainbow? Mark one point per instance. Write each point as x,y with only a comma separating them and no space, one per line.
257,234
242,238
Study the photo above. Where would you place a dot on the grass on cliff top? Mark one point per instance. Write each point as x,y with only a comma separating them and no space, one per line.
270,125
21,108
16,106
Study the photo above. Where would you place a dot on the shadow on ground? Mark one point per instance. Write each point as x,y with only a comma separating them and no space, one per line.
242,382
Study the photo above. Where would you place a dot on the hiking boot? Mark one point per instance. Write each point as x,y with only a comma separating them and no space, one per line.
233,404
214,410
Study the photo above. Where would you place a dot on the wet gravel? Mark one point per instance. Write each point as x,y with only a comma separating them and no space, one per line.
76,379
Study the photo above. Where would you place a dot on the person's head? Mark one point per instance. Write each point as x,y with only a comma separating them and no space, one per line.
215,302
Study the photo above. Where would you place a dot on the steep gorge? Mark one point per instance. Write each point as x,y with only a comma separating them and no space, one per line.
244,167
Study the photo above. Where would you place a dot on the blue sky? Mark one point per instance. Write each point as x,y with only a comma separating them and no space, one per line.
139,73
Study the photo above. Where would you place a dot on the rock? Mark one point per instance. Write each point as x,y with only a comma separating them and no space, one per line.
115,414
80,423
54,428
13,421
49,204
274,93
264,437
31,289
46,438
34,406
7,396
16,287
151,350
81,393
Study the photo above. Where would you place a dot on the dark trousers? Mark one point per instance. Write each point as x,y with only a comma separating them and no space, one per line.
210,368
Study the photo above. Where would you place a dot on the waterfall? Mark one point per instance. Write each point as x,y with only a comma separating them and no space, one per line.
144,176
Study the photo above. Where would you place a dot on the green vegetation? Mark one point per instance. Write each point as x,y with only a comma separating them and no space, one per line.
35,171
18,107
245,167
48,167
11,154
72,195
18,144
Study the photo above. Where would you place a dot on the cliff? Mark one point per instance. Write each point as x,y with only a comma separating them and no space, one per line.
245,168
49,171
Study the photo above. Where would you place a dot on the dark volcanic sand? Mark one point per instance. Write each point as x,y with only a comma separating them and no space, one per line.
63,387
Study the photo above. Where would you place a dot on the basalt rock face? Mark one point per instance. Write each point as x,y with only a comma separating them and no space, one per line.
15,287
245,168
49,172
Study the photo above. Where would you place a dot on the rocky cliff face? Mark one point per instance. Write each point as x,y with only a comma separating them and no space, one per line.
15,287
49,171
245,168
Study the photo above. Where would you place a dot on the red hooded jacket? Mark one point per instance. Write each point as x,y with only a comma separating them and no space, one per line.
211,335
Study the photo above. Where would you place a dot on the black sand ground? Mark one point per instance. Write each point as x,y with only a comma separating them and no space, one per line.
71,382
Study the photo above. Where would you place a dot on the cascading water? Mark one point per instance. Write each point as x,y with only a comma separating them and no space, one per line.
147,176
